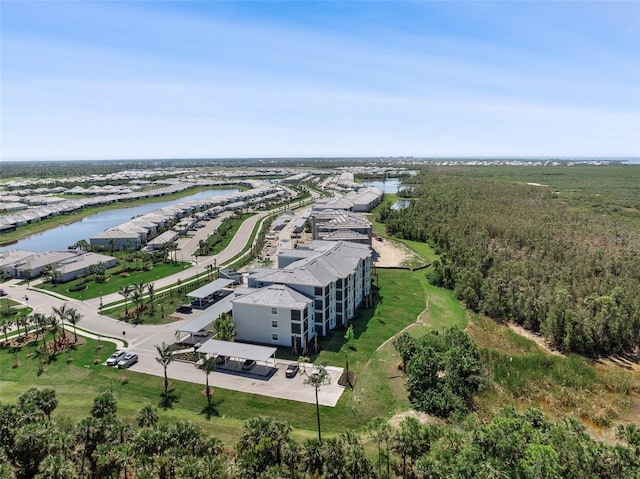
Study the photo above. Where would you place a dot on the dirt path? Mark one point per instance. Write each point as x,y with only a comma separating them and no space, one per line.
536,338
387,253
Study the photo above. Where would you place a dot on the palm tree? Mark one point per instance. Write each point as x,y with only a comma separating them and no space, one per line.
208,366
18,322
165,356
125,292
147,417
74,316
224,328
53,326
40,321
318,378
5,325
140,288
151,291
62,313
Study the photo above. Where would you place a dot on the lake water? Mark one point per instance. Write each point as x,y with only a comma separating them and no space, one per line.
400,204
389,186
60,238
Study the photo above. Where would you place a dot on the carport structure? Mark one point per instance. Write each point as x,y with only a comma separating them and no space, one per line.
208,290
205,319
241,351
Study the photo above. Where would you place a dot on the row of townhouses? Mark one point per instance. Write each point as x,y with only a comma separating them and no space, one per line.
138,231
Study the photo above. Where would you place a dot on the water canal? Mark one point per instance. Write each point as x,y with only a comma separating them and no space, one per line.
60,238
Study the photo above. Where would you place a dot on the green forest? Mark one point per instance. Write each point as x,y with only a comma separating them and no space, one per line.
102,445
554,250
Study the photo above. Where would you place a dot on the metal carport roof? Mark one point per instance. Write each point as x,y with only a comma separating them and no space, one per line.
238,350
209,289
208,316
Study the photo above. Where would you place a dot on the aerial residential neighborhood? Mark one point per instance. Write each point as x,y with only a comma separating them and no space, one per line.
319,239
308,288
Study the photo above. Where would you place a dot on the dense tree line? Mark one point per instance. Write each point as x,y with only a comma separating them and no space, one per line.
101,445
442,370
517,252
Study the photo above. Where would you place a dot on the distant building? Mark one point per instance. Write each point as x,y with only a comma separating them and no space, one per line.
341,225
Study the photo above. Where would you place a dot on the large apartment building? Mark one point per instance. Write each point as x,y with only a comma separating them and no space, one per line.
334,277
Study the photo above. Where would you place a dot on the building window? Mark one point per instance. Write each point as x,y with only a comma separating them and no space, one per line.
295,328
295,315
274,337
317,291
274,324
274,310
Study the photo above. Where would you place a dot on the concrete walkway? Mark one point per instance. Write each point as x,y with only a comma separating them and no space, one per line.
142,339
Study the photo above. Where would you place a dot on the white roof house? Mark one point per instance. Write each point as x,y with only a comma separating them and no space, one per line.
74,266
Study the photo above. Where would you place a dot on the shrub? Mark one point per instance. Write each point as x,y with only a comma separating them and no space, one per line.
78,287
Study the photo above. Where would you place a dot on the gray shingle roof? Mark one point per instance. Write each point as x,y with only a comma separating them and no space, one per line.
275,295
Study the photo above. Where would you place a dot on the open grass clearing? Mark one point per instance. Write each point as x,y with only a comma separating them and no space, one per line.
118,278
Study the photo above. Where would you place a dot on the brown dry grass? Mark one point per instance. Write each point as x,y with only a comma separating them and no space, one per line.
521,373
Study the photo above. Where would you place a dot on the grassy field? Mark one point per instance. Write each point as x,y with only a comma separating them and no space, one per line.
116,280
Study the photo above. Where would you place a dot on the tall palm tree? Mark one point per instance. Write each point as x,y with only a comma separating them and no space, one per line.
18,322
151,291
40,320
5,325
62,313
318,378
140,289
125,292
164,357
208,366
137,298
52,323
73,317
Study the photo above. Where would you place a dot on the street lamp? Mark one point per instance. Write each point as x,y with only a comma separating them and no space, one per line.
124,337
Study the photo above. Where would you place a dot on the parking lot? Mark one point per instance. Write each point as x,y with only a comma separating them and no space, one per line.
275,384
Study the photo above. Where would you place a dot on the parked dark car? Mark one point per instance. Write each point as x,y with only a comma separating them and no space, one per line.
115,358
128,361
3,292
292,370
248,364
185,308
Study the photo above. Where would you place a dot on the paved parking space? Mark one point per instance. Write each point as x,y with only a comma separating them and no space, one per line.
275,385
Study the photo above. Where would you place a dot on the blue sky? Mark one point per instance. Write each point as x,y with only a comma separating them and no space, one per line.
145,79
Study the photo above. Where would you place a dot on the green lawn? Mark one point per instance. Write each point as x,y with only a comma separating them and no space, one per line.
116,280
379,390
